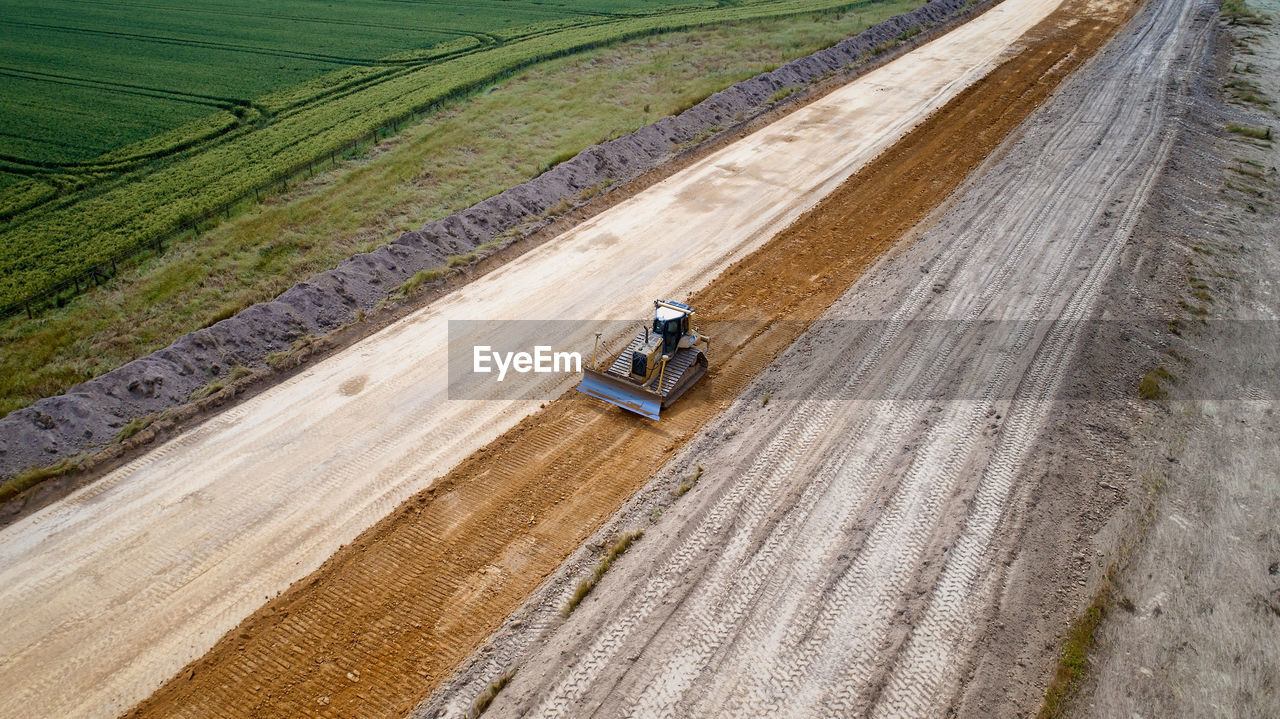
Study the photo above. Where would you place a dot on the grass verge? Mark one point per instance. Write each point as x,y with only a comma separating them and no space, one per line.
135,426
1256,133
119,206
1073,662
30,478
1237,12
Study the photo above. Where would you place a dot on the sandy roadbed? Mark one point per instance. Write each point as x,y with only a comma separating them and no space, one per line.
121,584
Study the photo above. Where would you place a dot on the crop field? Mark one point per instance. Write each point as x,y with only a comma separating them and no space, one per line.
129,122
988,426
80,80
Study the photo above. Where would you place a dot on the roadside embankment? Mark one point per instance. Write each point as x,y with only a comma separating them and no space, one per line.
1187,624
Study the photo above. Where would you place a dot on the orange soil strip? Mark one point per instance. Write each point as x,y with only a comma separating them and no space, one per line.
385,620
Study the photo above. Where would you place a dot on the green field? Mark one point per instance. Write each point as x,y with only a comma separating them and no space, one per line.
132,121
78,79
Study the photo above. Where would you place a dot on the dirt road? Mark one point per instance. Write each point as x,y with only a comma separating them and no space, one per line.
109,592
839,556
390,616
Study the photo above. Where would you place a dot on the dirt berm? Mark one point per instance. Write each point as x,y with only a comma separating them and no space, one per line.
90,415
386,619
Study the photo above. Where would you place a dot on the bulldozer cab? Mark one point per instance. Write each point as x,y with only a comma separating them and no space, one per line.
670,325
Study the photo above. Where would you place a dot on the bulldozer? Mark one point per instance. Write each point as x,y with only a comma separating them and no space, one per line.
658,366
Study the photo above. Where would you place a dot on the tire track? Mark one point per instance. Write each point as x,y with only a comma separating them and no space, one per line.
926,671
908,547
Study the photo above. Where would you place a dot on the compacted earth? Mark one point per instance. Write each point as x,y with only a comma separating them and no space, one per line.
1003,359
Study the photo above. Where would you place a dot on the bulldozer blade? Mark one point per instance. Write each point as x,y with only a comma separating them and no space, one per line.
619,392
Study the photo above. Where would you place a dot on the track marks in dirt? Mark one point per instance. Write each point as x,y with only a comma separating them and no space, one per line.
387,618
864,587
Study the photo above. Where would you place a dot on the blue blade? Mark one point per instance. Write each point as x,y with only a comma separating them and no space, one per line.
621,394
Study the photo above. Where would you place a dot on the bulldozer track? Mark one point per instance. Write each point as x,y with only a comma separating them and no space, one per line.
676,367
622,363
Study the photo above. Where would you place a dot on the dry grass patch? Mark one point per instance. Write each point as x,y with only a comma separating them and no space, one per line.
1193,628
689,483
135,426
1255,133
418,279
1237,12
490,693
1149,386
291,357
16,485
620,546
1074,661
